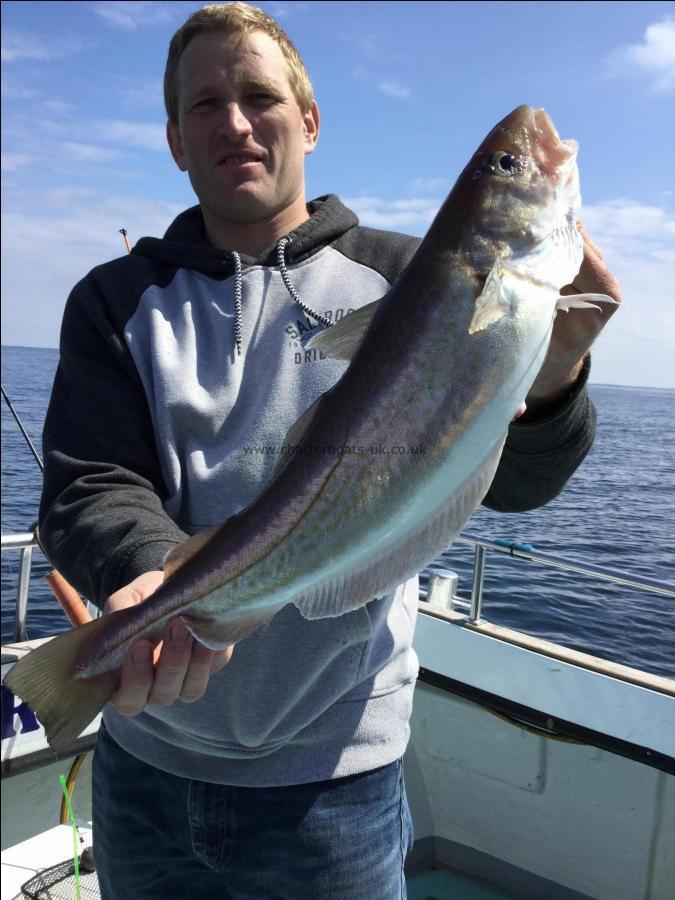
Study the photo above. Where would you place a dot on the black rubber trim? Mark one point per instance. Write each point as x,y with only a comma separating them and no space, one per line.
45,755
551,725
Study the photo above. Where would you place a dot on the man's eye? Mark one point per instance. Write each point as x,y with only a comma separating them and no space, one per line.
261,97
204,105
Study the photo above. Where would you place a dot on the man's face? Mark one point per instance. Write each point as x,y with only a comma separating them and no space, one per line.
240,133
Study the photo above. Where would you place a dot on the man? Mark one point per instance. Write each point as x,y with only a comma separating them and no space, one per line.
285,780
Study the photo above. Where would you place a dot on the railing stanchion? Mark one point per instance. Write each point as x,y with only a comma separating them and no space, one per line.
477,586
22,593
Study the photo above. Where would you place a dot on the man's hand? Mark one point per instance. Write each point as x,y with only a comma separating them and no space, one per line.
573,332
177,668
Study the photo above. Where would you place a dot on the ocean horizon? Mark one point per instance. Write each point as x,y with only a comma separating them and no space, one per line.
654,387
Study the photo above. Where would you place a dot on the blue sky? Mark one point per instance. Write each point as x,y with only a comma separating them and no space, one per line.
406,93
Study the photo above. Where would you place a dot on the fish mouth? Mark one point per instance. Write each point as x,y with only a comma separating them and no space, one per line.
534,135
554,157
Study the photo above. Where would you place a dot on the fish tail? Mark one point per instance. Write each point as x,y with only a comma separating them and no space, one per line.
45,680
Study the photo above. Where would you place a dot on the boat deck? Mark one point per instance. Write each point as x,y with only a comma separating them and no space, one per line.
24,862
444,884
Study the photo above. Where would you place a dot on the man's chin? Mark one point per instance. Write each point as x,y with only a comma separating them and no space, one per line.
241,206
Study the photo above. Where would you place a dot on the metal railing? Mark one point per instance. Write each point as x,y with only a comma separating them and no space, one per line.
25,543
442,584
444,592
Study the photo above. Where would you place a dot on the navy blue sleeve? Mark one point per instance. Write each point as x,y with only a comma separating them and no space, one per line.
101,520
540,456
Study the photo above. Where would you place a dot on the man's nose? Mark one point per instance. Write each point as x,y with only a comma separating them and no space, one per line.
234,122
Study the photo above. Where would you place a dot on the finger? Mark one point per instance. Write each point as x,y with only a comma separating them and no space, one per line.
594,247
221,658
594,277
172,665
519,412
136,680
198,673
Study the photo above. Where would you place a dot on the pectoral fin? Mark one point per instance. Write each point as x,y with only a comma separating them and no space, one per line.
582,301
494,301
342,340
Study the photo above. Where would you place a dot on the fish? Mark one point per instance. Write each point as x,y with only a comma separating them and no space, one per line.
381,473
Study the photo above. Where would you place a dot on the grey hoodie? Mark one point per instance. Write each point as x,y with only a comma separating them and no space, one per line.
182,368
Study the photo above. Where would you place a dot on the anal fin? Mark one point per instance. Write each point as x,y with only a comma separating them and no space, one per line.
217,634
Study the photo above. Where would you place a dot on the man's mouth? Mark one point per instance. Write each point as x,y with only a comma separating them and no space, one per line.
240,159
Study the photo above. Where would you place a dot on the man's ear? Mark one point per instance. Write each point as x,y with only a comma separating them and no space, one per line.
311,128
175,144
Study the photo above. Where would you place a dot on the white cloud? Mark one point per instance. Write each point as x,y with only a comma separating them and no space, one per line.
411,213
638,244
18,46
13,161
143,96
286,10
414,205
133,134
12,91
128,16
81,229
631,228
57,106
56,139
394,89
386,86
431,185
655,56
91,152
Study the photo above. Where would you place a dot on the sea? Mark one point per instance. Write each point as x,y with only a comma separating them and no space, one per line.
617,511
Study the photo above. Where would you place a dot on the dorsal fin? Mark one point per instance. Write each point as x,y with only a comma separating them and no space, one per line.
342,340
186,550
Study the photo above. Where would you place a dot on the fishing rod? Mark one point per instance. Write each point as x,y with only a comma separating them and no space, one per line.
22,429
69,599
65,593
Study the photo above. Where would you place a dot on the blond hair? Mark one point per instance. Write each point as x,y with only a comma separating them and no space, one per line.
235,18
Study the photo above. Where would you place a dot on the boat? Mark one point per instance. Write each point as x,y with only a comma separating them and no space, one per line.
533,770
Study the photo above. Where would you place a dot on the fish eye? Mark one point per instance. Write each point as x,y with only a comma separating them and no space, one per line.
505,163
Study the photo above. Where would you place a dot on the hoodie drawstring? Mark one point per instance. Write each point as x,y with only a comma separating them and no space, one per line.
237,301
281,261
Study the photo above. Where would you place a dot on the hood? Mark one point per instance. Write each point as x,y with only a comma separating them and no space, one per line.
186,245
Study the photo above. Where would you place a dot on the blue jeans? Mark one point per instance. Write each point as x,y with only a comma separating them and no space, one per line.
160,836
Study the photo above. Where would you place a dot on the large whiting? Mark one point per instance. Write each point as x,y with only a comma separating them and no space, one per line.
439,367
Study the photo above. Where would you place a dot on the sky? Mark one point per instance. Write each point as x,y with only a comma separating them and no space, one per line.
406,93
